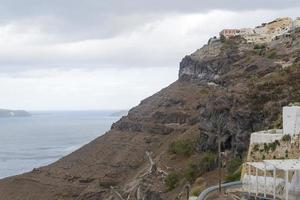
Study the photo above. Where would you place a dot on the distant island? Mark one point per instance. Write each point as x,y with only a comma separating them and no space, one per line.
13,113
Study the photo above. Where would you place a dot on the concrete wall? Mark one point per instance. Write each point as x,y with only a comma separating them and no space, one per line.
249,183
291,120
266,136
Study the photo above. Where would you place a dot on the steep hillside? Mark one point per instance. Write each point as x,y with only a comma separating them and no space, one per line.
227,87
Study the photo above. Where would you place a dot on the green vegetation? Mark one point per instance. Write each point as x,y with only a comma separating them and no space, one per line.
271,146
172,180
182,147
107,184
286,138
195,191
233,169
259,46
233,165
233,177
295,104
278,123
286,153
256,147
272,55
222,39
205,163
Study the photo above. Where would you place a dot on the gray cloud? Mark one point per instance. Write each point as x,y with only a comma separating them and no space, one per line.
94,18
41,34
100,54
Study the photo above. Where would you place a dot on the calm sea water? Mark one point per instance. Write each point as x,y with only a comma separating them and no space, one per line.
29,142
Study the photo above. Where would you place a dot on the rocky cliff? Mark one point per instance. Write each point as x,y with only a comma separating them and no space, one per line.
228,87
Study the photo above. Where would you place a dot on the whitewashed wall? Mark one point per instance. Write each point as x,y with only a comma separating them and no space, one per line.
266,136
291,120
249,183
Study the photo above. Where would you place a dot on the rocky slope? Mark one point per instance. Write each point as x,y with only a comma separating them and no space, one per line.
229,88
13,113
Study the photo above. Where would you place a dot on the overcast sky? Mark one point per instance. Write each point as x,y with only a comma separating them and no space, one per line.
79,55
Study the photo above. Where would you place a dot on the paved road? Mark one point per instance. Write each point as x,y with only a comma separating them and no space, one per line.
216,187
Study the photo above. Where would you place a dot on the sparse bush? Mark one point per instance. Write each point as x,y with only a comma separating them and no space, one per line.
233,169
272,146
207,162
286,138
172,180
256,147
233,177
192,172
233,165
107,184
286,153
272,55
222,38
259,46
278,123
195,191
182,147
266,147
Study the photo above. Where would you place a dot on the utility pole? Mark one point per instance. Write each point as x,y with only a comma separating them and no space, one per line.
218,121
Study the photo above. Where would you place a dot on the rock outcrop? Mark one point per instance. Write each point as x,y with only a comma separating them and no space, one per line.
228,87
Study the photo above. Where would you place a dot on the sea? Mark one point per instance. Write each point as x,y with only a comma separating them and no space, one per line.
46,136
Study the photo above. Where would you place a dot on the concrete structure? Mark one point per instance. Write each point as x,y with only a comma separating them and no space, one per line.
291,120
263,186
290,123
268,136
228,33
259,185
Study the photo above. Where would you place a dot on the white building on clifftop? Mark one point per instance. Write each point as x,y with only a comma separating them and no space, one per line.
266,32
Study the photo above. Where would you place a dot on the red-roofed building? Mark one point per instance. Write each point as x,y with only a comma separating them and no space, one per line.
227,33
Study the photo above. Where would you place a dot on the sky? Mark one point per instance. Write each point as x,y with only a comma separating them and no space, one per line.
109,55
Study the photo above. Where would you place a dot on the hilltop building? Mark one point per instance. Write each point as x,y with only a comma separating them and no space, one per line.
228,33
266,32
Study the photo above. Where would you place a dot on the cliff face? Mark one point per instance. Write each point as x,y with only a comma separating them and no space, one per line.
237,85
